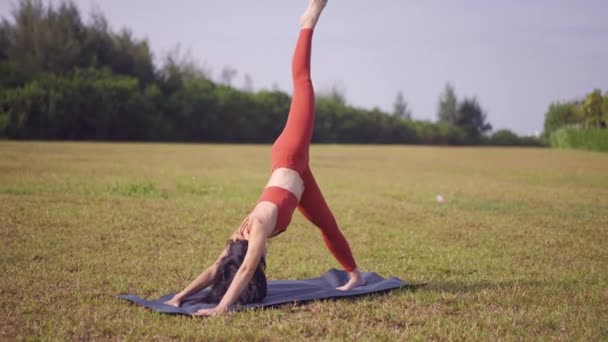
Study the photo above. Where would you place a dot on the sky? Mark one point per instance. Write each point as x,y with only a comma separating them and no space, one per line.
515,56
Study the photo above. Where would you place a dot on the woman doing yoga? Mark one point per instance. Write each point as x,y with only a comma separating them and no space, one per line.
237,277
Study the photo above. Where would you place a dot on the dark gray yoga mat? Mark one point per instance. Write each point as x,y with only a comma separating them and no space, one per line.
282,292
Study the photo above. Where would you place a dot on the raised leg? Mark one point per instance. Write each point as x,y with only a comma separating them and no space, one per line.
300,121
291,147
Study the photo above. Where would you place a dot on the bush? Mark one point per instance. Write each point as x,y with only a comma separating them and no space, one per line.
594,139
532,141
562,115
505,137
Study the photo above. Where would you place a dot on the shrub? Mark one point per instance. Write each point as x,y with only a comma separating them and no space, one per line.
594,139
505,137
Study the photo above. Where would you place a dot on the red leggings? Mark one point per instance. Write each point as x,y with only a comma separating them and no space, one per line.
290,150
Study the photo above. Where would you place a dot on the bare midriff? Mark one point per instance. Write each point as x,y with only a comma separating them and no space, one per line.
278,200
287,179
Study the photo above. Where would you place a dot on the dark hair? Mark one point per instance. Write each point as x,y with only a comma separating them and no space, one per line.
226,270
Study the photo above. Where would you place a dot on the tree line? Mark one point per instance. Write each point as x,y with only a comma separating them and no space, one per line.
587,113
64,78
579,124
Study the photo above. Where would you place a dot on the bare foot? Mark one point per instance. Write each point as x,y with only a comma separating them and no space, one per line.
175,301
313,12
356,279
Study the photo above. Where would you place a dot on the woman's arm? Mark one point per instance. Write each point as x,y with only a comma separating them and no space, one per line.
203,280
257,242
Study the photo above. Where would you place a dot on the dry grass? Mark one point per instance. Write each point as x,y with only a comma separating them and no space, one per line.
517,252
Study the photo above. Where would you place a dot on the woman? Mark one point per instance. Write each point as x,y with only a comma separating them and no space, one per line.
237,275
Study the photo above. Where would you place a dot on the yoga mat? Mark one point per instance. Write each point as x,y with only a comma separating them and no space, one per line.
281,292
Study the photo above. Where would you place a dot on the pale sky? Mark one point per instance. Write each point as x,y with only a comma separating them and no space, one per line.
515,56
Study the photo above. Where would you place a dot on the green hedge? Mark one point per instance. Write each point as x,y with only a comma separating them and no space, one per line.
594,139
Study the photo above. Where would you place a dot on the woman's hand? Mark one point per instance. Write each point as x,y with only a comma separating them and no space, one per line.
175,301
356,279
216,311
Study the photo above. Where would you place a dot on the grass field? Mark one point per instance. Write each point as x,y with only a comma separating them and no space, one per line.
518,251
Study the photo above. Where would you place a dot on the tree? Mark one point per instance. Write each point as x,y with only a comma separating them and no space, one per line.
336,93
448,105
592,107
471,118
401,108
228,74
247,83
55,39
178,68
605,110
561,114
24,44
5,29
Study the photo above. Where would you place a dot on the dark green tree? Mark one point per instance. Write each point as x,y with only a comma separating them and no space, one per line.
448,106
401,108
471,118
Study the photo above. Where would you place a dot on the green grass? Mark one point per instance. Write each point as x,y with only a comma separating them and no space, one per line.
592,139
518,251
